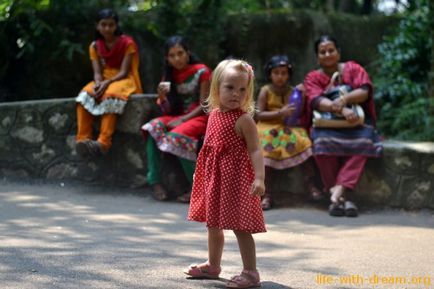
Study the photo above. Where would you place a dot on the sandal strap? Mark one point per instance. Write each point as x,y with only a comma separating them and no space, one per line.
246,279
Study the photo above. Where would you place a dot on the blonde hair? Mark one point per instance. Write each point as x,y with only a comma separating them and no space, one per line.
213,100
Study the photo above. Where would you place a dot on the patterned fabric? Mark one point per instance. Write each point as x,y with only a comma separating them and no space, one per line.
223,179
110,105
182,140
364,140
115,97
188,83
283,147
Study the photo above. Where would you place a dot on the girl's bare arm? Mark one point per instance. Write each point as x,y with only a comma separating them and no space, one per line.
246,128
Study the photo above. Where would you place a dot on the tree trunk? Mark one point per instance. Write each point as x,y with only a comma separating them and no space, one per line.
431,75
347,6
367,7
330,6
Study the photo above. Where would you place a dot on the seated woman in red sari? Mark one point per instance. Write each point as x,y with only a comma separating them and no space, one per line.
184,85
341,153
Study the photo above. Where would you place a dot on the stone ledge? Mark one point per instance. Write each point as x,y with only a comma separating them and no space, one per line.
37,142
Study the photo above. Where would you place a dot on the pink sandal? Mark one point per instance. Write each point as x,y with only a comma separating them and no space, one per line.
247,279
206,271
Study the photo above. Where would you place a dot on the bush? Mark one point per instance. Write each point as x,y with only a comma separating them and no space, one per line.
402,80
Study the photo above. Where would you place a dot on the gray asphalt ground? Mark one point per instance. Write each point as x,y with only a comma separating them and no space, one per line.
69,236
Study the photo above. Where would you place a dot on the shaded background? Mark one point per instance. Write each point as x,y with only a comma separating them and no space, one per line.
44,45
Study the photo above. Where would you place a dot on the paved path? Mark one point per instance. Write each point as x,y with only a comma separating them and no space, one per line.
54,236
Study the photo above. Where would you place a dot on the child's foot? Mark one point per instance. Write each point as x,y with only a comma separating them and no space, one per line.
247,279
204,270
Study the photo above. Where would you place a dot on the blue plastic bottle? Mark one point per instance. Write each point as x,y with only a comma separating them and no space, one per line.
296,99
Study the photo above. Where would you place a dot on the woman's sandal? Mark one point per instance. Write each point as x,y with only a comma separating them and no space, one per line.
82,148
204,271
266,202
247,279
350,209
337,208
159,193
89,149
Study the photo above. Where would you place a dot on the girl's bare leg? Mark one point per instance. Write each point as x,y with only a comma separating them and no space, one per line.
247,247
216,240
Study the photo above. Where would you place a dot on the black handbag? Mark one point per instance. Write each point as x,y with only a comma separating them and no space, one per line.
335,120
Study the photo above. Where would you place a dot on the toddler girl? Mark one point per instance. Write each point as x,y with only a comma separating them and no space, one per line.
229,175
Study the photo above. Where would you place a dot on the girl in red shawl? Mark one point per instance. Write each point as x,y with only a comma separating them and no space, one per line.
185,83
341,153
115,62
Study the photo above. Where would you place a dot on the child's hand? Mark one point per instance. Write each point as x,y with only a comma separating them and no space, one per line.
287,110
349,114
258,188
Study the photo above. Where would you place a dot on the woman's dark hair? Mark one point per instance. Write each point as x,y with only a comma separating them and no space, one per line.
277,61
176,103
105,14
324,38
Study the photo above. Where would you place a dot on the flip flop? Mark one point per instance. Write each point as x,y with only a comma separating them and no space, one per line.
351,209
336,210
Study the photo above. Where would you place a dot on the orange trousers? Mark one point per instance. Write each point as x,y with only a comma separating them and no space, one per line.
84,126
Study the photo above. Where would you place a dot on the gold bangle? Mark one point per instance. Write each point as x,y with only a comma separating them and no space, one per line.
343,99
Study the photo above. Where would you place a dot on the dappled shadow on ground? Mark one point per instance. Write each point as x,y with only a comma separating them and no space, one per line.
94,237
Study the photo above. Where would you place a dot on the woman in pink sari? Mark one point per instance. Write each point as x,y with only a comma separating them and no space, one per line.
341,153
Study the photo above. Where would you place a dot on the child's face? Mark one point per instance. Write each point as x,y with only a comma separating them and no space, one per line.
233,89
279,76
106,27
178,57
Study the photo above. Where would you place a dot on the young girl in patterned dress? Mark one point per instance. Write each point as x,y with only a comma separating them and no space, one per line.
229,175
284,145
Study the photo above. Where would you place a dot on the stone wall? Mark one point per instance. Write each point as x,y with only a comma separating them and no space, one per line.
37,142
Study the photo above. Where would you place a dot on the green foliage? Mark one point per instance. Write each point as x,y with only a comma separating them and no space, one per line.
402,81
44,38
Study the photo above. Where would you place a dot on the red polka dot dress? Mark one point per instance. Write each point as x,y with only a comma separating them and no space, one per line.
223,179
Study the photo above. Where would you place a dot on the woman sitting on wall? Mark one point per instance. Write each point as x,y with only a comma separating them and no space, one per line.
184,85
341,153
115,62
